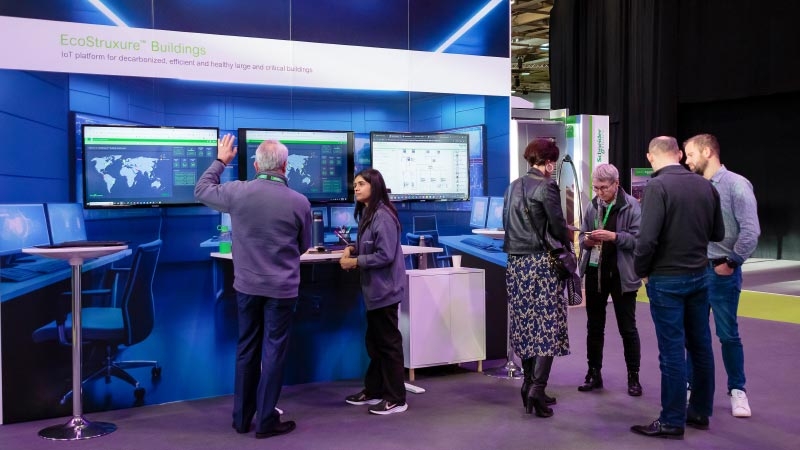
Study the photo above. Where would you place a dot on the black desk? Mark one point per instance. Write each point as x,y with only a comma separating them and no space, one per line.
494,266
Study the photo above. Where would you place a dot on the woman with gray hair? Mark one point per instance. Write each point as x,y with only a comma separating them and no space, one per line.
608,237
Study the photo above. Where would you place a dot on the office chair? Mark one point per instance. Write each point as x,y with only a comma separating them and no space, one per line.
428,226
434,259
128,321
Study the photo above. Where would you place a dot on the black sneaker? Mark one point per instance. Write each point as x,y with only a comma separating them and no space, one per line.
361,399
385,407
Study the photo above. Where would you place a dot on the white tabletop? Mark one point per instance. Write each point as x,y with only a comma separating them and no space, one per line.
75,255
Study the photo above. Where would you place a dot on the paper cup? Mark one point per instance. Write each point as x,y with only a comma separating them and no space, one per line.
456,260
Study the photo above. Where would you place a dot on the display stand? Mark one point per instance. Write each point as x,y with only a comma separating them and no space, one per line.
78,427
510,369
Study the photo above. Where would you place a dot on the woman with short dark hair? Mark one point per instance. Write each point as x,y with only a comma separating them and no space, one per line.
531,208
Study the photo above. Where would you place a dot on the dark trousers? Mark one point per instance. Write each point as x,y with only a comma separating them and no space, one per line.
264,326
385,376
624,309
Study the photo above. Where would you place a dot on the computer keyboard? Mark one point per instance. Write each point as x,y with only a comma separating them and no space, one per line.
483,244
17,274
476,242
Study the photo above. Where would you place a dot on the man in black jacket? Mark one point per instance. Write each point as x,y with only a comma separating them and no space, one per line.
680,215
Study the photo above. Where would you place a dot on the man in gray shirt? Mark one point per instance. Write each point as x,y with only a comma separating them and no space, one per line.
273,228
740,214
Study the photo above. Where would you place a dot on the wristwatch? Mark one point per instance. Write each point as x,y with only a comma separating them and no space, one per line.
725,260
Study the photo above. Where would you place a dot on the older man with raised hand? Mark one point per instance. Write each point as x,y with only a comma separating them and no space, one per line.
680,215
273,228
740,214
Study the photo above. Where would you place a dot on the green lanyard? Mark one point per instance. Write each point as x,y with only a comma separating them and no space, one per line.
605,219
266,176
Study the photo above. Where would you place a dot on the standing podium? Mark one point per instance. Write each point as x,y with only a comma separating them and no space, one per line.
78,427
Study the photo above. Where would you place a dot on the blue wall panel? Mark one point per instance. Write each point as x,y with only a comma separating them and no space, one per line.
33,97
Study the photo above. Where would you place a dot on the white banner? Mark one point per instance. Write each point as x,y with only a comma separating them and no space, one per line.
42,45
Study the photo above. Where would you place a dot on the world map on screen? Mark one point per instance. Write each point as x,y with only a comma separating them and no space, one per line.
304,172
138,176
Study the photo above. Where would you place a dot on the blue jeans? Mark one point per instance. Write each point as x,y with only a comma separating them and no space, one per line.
723,297
264,326
679,307
723,294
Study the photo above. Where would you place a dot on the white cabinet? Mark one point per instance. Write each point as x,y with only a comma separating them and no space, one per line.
442,318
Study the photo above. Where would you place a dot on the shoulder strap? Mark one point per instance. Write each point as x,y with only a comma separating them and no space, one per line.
530,215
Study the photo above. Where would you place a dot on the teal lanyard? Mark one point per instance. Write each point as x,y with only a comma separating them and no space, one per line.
605,219
266,176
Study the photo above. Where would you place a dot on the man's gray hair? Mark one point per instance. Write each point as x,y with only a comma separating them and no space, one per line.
606,172
271,156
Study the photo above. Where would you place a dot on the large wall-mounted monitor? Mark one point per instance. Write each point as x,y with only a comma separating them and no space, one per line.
65,221
143,166
479,206
422,166
494,218
320,164
22,226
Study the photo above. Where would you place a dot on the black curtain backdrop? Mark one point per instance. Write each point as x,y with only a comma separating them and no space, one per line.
726,67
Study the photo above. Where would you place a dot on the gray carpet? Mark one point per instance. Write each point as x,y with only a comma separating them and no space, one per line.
467,410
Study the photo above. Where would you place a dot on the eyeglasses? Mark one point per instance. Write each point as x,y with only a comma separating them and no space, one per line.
603,188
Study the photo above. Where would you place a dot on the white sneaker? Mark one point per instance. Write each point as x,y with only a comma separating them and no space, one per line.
740,407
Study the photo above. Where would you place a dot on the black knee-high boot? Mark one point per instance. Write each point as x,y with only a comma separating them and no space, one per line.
528,367
527,372
536,397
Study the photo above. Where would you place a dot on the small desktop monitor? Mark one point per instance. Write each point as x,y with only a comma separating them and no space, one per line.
422,166
22,226
479,206
144,166
320,164
494,218
65,221
342,216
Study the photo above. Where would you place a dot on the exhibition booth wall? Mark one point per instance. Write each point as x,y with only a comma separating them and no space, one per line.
194,334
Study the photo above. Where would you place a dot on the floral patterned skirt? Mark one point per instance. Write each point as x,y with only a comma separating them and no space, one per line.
538,310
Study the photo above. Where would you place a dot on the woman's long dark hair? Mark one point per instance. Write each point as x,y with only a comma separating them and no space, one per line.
378,194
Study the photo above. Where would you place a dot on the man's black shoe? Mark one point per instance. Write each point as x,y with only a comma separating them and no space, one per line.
695,420
658,429
277,430
240,430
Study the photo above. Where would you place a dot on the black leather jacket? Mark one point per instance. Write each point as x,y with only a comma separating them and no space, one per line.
541,195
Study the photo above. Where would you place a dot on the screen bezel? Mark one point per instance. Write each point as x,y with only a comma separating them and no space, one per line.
423,197
111,205
245,164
